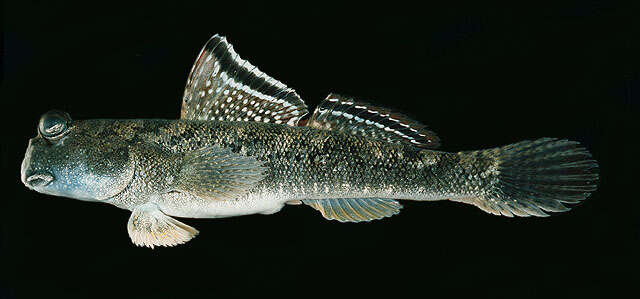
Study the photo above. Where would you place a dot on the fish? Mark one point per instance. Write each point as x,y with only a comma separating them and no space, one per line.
245,144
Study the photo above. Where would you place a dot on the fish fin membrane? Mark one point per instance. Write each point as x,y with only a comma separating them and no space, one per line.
340,113
218,173
534,177
149,227
355,209
224,87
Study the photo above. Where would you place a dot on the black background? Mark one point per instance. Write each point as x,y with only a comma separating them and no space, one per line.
479,76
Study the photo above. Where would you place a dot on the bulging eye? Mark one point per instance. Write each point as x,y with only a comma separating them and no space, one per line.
53,124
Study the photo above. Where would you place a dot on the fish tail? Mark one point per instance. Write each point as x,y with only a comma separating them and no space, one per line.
530,178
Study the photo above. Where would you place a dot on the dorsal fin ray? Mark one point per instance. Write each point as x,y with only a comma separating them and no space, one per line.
222,86
340,113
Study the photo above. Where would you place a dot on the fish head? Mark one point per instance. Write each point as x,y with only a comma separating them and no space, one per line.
66,159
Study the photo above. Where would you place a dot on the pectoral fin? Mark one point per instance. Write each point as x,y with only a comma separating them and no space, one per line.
149,227
355,209
217,173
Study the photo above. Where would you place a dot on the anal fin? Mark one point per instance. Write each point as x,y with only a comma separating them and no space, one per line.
149,227
355,209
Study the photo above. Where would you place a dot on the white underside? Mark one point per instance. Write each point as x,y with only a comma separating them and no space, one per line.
265,202
181,205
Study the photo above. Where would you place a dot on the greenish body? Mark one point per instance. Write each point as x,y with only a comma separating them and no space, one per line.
243,145
301,163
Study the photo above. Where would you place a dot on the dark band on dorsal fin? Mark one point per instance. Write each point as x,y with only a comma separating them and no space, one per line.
222,86
339,113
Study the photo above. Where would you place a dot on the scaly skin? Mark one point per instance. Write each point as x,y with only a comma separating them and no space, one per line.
231,154
301,163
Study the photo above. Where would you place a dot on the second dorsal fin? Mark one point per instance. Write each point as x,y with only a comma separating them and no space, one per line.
339,113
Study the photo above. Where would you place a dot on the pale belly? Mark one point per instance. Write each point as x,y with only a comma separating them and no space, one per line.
185,205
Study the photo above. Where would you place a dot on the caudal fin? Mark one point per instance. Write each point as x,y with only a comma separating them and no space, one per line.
534,177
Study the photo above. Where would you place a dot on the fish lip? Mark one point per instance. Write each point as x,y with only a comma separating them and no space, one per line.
39,180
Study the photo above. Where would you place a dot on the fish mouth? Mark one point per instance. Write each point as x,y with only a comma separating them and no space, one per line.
39,180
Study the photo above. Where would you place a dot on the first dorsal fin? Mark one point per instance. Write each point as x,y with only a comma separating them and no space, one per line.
222,86
339,113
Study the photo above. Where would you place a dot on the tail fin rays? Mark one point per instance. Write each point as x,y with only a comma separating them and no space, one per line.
538,176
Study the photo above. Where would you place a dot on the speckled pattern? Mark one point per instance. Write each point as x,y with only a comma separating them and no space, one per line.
241,147
136,163
307,163
300,162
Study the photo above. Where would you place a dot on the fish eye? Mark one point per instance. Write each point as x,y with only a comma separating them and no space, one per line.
53,124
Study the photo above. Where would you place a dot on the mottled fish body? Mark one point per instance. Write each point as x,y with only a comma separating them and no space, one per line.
300,163
243,147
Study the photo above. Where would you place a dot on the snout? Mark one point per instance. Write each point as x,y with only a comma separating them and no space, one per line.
33,178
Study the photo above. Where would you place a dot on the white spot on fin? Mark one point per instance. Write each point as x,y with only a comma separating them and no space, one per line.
342,114
219,73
